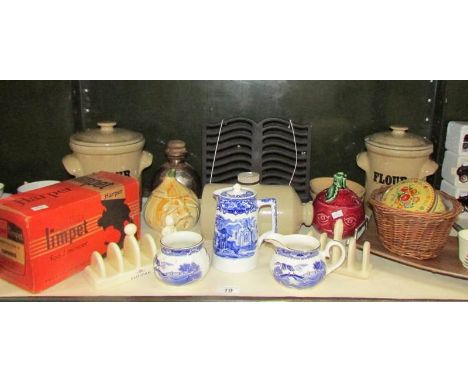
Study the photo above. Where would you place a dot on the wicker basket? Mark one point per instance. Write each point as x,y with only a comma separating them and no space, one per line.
414,234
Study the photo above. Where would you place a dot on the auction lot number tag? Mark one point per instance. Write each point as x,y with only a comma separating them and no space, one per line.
229,290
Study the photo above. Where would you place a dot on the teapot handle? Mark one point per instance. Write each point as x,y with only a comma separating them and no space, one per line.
326,252
274,215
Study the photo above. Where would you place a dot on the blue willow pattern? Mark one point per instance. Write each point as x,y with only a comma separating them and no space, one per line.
235,238
186,273
295,277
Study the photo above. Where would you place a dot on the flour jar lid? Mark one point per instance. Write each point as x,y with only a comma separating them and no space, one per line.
107,135
398,138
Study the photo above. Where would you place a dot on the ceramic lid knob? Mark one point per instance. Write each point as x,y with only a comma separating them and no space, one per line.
398,130
236,189
107,126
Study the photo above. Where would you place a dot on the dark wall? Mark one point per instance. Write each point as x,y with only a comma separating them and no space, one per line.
36,121
456,101
37,118
342,113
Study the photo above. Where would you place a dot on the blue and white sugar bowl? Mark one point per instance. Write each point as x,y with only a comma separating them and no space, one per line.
298,261
182,258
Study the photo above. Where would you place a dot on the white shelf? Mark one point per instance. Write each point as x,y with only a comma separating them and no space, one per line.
389,280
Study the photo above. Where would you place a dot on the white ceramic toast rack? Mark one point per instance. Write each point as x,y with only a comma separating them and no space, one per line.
135,260
352,267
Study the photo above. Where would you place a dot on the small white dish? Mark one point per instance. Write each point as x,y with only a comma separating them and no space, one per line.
35,185
5,195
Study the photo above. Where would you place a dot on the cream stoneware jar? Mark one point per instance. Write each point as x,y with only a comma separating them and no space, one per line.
393,156
107,149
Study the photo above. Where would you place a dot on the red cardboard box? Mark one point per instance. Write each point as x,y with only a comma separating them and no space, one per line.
48,234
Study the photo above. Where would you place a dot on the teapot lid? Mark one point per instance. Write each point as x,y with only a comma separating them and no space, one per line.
399,139
237,191
107,135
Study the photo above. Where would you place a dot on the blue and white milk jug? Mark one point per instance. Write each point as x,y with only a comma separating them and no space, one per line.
236,235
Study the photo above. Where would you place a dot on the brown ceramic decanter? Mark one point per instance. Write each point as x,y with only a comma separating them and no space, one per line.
176,153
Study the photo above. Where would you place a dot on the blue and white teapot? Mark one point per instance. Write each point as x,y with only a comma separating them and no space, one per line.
236,235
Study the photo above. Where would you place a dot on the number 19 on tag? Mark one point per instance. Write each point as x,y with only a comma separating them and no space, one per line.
229,290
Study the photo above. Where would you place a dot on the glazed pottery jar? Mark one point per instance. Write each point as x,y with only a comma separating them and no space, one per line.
338,202
292,213
172,199
107,149
298,261
236,232
182,258
393,156
319,184
176,153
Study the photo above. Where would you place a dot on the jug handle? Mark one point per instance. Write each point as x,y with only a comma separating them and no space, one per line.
274,215
145,161
326,252
72,165
362,160
429,168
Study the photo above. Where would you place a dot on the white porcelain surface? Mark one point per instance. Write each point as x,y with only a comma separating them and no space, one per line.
35,185
457,137
452,162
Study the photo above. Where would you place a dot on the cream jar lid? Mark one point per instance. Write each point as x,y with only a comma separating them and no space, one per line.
107,135
249,177
399,139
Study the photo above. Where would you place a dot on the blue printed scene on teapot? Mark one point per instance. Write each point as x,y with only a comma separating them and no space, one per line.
235,238
299,275
236,207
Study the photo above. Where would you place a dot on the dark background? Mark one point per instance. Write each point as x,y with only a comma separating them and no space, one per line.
38,117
